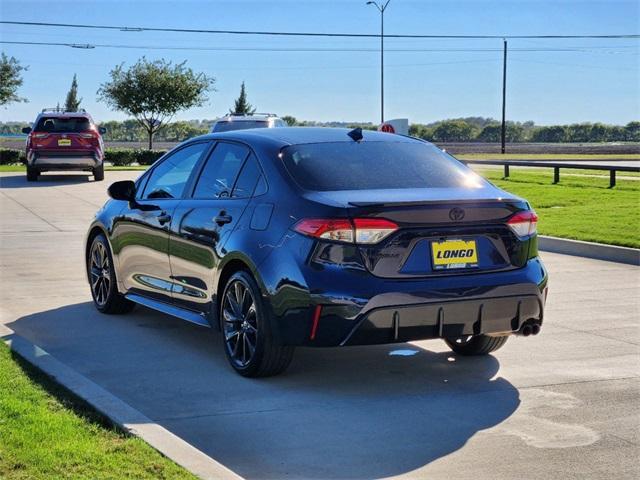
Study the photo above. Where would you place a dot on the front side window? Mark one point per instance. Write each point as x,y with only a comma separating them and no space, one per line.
169,179
375,165
220,172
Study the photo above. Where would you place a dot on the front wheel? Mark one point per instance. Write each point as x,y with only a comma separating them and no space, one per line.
248,339
475,344
102,279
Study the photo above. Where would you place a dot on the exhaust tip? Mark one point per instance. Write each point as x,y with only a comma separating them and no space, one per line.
527,330
535,329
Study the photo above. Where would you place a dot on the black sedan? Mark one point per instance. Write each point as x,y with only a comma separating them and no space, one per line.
320,237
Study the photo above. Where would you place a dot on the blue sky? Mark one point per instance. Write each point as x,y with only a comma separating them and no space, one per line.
598,82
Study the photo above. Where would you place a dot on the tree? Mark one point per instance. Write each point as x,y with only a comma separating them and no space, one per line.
550,134
453,131
290,120
72,102
153,92
10,80
241,106
493,133
632,131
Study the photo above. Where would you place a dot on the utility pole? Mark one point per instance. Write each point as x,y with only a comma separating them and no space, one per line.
381,8
504,94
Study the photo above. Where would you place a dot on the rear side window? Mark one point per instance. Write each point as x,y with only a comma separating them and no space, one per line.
239,125
220,171
63,124
246,183
374,165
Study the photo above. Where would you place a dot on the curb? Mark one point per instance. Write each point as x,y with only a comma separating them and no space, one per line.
119,412
598,251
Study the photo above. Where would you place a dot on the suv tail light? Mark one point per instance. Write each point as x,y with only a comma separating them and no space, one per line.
359,230
523,224
40,135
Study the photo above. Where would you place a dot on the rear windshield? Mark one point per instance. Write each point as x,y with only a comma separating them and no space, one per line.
239,125
63,124
375,165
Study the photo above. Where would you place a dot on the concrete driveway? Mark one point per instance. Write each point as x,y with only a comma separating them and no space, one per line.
564,404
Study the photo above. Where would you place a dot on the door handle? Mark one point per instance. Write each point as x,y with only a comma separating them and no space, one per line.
163,218
223,218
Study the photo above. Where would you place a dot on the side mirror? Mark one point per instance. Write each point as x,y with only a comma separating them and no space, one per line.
102,130
26,130
123,190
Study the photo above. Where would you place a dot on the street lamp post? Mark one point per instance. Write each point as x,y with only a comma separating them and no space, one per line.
381,6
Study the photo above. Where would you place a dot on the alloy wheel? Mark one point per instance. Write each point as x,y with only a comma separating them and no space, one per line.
240,323
100,271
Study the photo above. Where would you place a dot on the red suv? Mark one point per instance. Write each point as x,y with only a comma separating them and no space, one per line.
63,140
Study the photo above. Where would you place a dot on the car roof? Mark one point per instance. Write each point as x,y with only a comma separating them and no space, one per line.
285,136
65,115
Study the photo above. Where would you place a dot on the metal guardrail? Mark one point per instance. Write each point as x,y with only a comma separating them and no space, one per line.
612,169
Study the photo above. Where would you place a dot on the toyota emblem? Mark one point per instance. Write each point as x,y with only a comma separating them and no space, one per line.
456,214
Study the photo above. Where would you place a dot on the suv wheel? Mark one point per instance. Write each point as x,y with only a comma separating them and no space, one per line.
475,344
102,279
32,174
248,340
98,173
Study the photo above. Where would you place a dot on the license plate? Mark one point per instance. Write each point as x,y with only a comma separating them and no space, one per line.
449,254
64,142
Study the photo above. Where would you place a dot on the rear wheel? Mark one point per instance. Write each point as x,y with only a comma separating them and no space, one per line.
475,344
248,340
32,174
98,173
102,279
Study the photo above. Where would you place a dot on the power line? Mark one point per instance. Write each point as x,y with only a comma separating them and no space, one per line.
302,34
304,49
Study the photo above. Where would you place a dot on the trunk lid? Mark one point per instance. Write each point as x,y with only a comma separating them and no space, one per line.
434,223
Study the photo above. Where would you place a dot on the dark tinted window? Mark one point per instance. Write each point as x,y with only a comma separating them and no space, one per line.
220,171
63,124
239,125
247,179
375,165
169,179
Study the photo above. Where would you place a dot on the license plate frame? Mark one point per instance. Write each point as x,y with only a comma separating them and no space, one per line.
64,142
454,254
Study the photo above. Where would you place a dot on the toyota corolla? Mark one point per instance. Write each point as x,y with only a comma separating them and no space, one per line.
319,237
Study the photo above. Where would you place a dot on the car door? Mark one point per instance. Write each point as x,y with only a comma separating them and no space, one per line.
141,233
205,221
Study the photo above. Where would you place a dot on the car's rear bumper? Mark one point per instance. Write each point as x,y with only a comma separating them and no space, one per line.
363,310
86,161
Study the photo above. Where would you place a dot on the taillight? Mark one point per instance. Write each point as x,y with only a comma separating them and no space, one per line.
40,135
523,224
88,135
358,230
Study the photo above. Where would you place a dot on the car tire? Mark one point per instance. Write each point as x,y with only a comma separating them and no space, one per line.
102,279
98,173
476,344
245,323
32,174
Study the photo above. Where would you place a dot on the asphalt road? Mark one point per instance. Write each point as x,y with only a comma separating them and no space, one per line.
564,404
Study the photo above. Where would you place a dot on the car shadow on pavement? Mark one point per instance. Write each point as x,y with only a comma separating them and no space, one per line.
356,412
44,180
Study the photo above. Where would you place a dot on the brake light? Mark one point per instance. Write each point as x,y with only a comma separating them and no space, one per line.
523,224
40,135
88,135
359,230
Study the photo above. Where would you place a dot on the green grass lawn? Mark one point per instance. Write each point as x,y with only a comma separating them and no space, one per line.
579,207
548,156
46,432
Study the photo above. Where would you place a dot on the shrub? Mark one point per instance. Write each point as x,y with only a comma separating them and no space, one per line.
148,157
10,156
119,157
